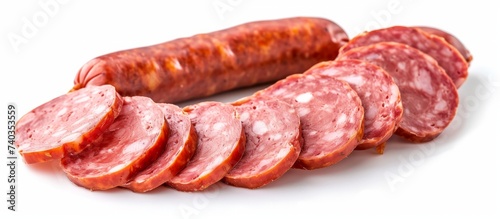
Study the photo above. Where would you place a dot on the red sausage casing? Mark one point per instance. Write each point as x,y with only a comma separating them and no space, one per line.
206,64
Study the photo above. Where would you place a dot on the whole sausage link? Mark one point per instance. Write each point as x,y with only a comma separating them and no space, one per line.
206,64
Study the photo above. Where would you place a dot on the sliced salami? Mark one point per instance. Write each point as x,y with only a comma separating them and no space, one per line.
445,54
273,142
221,143
454,41
378,92
66,124
331,116
179,149
430,98
135,140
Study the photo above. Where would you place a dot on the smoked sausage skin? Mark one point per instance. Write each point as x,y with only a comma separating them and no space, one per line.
206,64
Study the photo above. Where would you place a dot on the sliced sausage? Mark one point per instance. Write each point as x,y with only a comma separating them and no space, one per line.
430,99
66,124
179,149
135,140
273,142
206,64
221,143
378,92
445,54
454,41
331,116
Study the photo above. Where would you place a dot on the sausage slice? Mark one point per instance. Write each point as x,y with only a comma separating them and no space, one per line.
273,142
67,124
378,92
221,144
179,149
430,99
331,116
135,140
445,54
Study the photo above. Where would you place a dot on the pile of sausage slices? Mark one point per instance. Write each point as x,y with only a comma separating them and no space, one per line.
118,129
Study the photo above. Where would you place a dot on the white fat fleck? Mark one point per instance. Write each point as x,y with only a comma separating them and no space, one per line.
276,136
394,94
304,98
303,111
244,116
78,121
228,51
62,111
71,137
176,64
282,153
25,145
446,52
209,167
80,128
441,105
99,109
372,57
134,147
375,38
279,92
402,66
147,117
59,133
355,79
117,168
330,136
425,82
218,126
265,162
311,133
342,118
82,99
370,112
331,71
368,94
259,127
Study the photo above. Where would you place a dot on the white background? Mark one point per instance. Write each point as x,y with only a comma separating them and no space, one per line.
457,174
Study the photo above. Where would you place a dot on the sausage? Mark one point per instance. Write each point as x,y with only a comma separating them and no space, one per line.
454,41
445,54
331,116
430,99
135,140
379,95
66,124
221,144
179,149
273,142
206,64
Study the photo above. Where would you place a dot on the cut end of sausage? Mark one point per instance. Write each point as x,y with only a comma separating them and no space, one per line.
92,73
67,124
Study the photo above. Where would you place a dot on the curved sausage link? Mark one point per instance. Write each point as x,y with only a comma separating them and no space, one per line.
206,64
